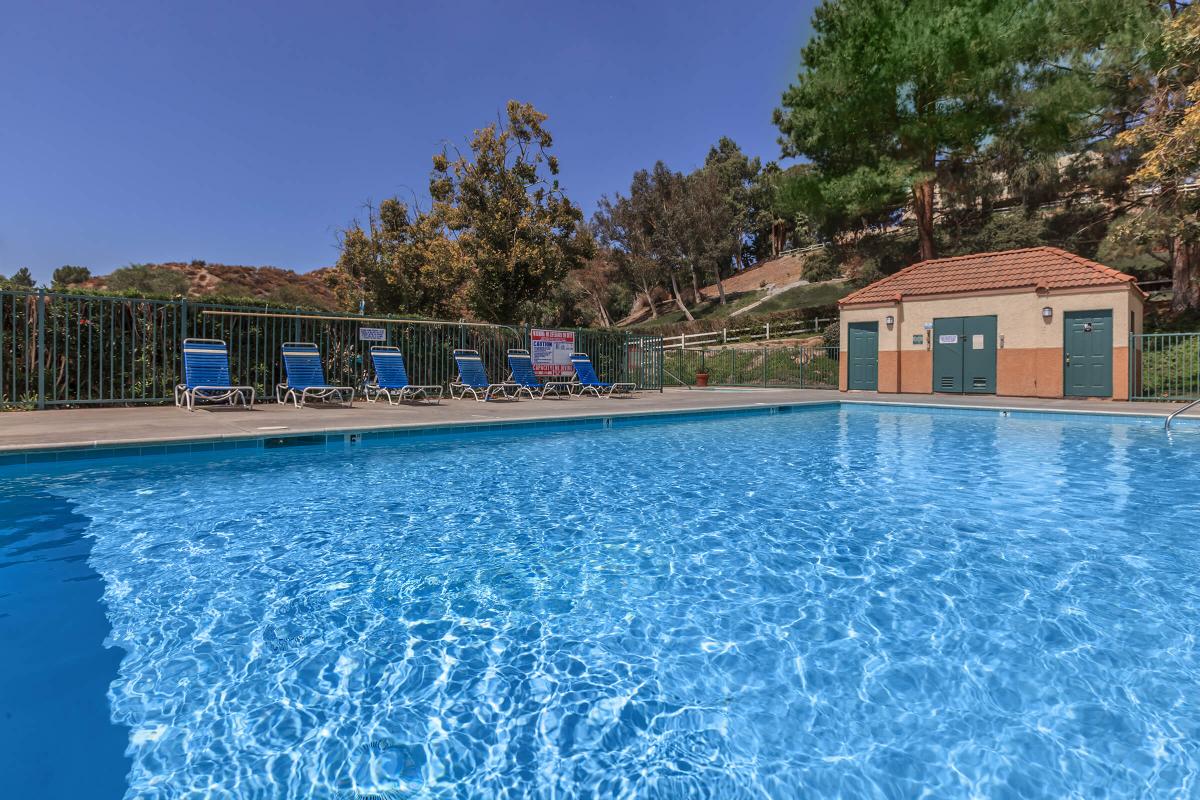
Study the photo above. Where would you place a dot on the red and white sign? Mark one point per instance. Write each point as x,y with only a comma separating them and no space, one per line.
551,350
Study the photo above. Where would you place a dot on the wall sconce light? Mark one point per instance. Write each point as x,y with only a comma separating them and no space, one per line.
1047,312
889,320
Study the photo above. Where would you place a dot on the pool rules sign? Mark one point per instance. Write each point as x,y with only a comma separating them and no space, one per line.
551,351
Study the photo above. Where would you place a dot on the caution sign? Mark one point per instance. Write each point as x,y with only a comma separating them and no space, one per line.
551,350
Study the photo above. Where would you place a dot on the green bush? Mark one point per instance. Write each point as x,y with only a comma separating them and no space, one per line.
821,266
781,366
1171,367
145,279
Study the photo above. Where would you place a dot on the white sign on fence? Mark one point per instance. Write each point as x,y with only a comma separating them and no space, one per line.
551,350
948,338
372,334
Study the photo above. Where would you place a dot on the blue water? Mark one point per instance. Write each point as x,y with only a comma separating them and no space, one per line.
855,603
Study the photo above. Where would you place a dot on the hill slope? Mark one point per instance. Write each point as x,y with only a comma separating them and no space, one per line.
283,286
770,290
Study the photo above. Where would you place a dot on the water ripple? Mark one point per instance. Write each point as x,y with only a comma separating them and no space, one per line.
854,603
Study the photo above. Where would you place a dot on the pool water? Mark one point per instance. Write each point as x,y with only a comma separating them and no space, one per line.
854,602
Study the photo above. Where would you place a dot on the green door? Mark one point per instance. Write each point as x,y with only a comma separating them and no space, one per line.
964,355
979,355
1087,354
948,354
863,369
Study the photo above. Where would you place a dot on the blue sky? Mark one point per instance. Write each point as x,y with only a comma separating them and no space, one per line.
249,132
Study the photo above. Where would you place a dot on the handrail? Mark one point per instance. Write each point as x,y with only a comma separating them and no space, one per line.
1179,411
677,380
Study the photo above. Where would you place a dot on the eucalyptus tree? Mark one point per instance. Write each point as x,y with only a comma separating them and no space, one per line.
401,262
725,203
509,216
497,243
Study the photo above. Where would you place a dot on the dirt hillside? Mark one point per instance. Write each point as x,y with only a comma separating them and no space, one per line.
263,283
786,269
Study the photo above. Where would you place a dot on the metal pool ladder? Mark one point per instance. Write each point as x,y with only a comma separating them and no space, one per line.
1179,411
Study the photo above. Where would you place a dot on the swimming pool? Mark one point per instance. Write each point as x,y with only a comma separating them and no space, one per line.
872,602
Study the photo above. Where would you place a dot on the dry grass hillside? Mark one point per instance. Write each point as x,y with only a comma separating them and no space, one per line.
786,269
283,286
775,288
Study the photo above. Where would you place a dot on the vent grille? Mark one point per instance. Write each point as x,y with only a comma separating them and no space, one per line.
947,382
979,383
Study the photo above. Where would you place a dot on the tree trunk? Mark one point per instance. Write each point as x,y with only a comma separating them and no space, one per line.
650,301
605,319
778,237
923,209
697,296
1185,288
721,284
679,299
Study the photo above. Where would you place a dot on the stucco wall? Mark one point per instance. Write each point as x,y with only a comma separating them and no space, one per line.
1029,358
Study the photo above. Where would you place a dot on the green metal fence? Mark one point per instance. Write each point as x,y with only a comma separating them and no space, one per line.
60,349
806,367
1164,366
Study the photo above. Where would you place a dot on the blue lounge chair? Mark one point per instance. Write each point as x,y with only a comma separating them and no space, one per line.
472,378
521,365
391,380
306,377
586,379
206,376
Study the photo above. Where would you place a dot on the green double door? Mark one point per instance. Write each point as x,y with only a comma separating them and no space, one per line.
1088,353
964,355
862,369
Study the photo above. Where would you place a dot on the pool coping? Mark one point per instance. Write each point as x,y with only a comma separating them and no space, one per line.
1099,412
39,455
32,455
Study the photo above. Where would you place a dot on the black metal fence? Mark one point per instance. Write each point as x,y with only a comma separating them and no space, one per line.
66,349
806,367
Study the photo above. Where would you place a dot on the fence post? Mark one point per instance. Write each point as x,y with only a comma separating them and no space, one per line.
768,331
183,320
724,335
1131,353
765,352
41,347
662,357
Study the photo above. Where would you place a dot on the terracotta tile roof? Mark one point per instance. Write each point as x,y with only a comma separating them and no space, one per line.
1034,267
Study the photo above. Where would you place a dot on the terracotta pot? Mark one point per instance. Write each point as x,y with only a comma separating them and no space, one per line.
702,379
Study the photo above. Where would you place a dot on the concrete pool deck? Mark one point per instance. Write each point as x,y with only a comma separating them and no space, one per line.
24,431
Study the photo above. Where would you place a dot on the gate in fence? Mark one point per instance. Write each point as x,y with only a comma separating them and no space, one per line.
60,349
800,366
1164,366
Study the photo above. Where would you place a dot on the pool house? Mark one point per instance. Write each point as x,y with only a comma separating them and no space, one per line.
1036,322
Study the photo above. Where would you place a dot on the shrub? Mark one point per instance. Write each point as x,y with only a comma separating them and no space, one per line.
145,279
68,275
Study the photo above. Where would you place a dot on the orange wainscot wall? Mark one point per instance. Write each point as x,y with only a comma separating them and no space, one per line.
1020,372
916,371
1017,372
1120,373
889,371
